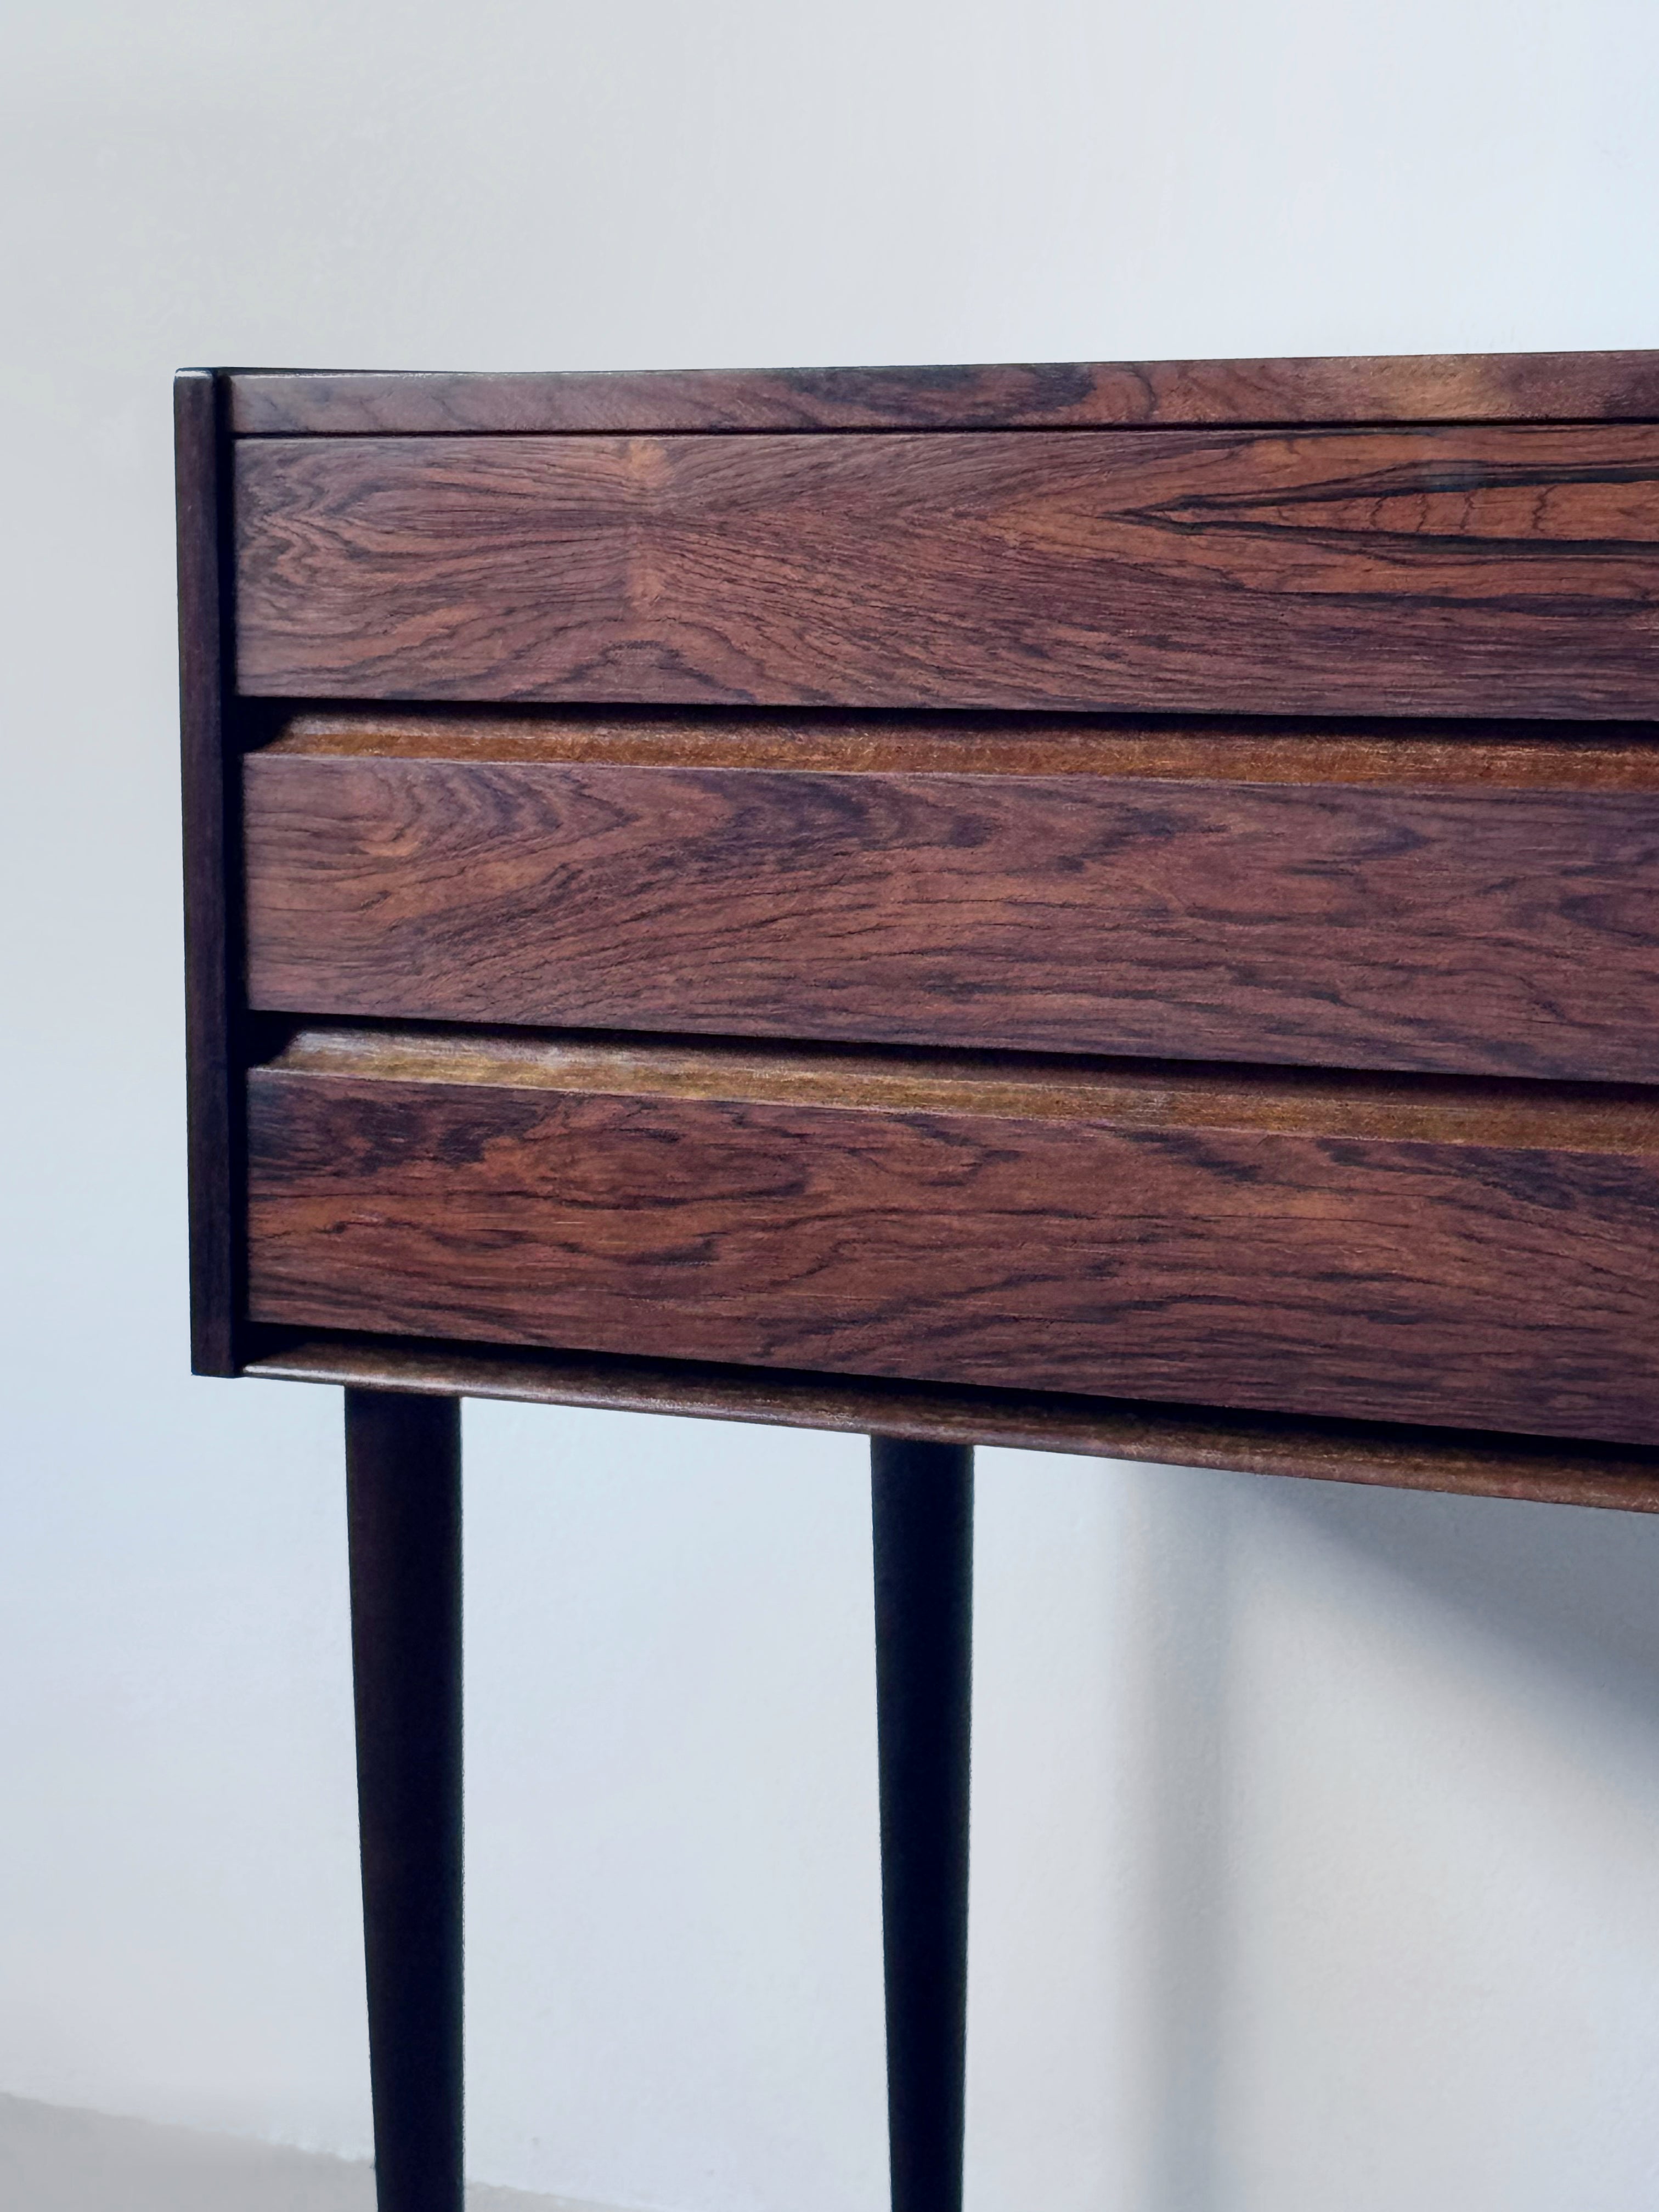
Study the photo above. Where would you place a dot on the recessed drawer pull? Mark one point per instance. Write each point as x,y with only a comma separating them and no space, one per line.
1480,1255
1413,901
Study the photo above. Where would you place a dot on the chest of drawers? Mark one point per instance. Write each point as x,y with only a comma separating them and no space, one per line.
1114,908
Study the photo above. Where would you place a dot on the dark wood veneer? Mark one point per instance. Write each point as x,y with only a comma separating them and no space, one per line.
1370,779
212,866
1539,387
1479,1254
1417,902
1431,571
1466,550
1392,1454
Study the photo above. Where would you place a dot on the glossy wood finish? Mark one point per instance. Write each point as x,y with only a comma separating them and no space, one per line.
211,824
1541,387
1442,1278
1393,1455
1433,572
1477,1255
403,1520
1456,902
1401,474
922,1521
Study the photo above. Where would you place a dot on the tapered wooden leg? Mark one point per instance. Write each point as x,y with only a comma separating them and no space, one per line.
922,1499
404,1512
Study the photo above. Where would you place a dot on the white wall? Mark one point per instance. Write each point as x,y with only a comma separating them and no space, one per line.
1316,1832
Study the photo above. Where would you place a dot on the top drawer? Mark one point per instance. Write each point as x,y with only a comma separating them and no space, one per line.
1443,571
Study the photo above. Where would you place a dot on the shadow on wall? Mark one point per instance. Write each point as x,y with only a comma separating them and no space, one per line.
1572,1593
1577,1589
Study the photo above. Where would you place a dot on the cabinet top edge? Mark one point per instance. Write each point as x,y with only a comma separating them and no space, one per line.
1358,389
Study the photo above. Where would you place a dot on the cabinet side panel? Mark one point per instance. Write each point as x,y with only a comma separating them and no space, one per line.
211,814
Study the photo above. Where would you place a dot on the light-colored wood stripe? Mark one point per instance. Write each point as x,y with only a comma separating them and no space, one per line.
1403,1459
1126,1094
1437,756
1452,1253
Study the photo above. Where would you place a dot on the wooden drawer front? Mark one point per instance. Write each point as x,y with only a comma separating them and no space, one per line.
1403,571
1441,905
1431,1251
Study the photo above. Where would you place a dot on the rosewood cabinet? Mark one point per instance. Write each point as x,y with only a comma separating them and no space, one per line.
1112,909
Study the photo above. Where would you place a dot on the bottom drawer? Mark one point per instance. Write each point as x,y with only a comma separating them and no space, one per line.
1410,1250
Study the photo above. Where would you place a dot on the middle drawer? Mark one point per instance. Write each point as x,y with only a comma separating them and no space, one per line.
1454,900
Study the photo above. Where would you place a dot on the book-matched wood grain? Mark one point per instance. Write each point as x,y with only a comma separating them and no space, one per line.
1477,1255
211,846
1449,904
1432,572
981,1245
1539,387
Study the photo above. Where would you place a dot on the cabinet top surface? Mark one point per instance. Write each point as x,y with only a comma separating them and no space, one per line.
1537,387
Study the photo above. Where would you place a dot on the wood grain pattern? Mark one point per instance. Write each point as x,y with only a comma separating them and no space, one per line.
1393,1456
1474,1255
1430,572
1420,903
211,821
1423,388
